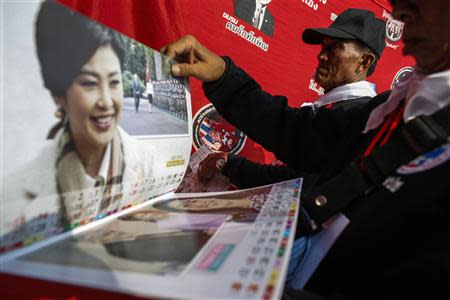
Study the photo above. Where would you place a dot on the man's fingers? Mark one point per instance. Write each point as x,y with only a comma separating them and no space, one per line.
183,70
194,60
203,174
170,51
176,70
180,48
207,168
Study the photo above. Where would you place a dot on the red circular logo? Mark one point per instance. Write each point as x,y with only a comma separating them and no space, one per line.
211,129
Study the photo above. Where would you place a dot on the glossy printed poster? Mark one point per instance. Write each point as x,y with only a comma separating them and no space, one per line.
93,122
231,245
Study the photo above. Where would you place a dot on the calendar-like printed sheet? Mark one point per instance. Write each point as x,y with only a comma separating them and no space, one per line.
232,245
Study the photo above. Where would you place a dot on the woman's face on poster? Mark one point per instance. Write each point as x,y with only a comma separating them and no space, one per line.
93,102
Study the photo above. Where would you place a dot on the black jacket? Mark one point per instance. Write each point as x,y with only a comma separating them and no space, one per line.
244,173
397,243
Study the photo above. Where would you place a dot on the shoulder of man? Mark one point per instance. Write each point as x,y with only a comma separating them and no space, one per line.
351,103
365,105
380,98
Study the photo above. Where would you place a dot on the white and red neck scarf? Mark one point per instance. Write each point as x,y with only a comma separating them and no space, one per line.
424,95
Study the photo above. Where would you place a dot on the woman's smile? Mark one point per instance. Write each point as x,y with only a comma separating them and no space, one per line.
103,122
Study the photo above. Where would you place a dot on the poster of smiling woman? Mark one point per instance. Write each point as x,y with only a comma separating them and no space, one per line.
92,122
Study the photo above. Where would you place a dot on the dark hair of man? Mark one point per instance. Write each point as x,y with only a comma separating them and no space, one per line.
65,41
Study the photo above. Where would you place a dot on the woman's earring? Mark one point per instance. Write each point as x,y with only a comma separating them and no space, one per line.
59,113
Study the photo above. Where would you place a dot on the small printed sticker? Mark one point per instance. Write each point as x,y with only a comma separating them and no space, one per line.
393,184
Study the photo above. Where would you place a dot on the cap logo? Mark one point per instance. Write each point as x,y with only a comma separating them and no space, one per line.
394,29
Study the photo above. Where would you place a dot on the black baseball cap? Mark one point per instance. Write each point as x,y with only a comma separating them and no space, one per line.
357,24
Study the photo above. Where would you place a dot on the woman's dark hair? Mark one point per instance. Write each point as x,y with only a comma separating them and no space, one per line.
65,41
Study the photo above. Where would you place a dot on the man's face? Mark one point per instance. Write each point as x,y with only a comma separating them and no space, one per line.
338,63
426,33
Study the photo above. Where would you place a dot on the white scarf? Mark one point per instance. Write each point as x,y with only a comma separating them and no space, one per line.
344,92
425,94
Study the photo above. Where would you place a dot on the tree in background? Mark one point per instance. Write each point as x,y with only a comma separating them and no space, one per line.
135,62
151,63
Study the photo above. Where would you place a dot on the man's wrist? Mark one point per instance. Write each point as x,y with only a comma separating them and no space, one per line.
213,85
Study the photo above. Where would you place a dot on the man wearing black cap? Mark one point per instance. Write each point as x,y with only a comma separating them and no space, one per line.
394,158
354,30
351,47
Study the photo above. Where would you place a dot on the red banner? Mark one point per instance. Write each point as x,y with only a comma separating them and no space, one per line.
274,54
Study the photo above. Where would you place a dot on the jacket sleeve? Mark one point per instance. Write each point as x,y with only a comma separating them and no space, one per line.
244,173
304,140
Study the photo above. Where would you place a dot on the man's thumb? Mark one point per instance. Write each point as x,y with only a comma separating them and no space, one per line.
182,70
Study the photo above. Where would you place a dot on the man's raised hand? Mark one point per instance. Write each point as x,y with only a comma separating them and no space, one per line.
194,59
